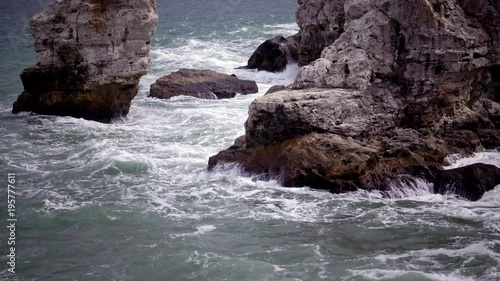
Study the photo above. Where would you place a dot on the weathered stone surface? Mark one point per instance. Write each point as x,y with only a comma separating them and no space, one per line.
321,22
91,55
205,84
470,182
274,54
402,86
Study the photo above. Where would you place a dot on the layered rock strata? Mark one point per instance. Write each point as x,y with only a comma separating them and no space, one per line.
404,85
91,55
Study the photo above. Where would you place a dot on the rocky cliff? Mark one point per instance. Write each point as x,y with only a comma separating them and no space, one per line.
403,84
91,55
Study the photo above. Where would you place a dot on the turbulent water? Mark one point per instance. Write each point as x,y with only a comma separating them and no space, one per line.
133,200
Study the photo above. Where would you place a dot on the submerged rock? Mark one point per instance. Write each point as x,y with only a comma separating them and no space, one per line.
274,54
91,55
205,84
470,182
404,85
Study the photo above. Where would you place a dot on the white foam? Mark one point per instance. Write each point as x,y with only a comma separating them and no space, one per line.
482,248
489,157
200,230
381,274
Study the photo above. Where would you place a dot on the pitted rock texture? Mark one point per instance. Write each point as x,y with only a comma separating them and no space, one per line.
204,84
321,22
91,55
404,85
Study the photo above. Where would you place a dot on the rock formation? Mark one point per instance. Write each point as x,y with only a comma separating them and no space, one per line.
470,182
205,84
321,22
91,55
403,84
274,54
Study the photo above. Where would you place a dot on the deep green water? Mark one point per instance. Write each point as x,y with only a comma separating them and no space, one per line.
133,201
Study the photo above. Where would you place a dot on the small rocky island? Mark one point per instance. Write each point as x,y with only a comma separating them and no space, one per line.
91,55
388,90
204,84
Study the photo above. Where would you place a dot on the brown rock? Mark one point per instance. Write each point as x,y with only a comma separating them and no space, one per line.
205,84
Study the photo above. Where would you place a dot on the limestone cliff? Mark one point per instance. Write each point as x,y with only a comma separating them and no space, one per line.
403,84
321,22
91,55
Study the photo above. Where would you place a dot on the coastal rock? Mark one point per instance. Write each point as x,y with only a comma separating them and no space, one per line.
404,84
275,88
470,182
204,84
274,54
91,55
321,22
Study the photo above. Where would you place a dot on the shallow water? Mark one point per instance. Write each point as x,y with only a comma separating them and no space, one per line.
133,200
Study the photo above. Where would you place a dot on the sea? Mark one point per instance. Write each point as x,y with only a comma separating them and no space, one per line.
133,200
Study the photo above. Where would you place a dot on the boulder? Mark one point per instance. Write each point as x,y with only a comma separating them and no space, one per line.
204,84
274,54
91,55
469,182
405,84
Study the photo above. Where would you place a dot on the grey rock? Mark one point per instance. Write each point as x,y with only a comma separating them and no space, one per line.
321,22
91,55
399,85
275,89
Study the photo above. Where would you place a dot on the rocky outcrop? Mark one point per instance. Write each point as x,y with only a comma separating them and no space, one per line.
274,54
470,182
205,84
321,22
403,86
91,55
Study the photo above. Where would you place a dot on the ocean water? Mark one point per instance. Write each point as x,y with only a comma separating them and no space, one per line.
132,200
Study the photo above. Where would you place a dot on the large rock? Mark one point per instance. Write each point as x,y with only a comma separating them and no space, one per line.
404,85
274,54
321,22
91,55
470,182
205,84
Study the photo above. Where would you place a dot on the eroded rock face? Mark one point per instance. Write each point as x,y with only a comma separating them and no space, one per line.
321,22
405,84
205,84
91,55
